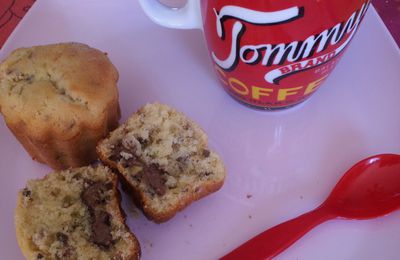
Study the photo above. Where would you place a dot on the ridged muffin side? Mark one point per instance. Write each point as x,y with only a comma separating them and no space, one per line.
59,100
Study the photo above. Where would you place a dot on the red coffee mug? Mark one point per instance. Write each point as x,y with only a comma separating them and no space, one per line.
269,54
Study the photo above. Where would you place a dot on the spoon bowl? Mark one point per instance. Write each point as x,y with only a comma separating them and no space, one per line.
371,188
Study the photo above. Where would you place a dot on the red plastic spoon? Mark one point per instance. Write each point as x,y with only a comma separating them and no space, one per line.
371,188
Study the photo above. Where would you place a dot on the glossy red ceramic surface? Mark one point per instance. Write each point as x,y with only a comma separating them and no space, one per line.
275,54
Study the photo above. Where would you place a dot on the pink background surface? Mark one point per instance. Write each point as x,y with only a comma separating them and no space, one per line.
287,161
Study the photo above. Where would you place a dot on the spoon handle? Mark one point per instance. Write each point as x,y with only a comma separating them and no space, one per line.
276,239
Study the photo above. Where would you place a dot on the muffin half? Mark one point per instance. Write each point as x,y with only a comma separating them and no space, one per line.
74,214
164,160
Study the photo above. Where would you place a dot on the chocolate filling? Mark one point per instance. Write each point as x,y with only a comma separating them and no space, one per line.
206,153
143,142
66,251
151,174
154,176
27,193
134,161
101,228
116,152
94,197
63,238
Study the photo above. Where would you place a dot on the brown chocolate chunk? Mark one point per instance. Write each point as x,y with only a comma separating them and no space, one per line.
27,193
63,238
95,194
206,153
175,146
101,229
67,201
138,176
94,197
155,178
205,174
67,252
116,152
116,156
131,162
182,159
142,141
77,176
30,78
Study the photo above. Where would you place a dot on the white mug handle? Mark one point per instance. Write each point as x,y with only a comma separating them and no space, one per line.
187,17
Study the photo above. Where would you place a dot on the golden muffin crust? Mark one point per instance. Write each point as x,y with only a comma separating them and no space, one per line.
59,100
74,214
164,160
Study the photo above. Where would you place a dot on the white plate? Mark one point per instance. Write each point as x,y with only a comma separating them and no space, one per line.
288,161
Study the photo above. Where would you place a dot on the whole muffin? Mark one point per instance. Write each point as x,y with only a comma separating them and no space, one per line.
59,100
